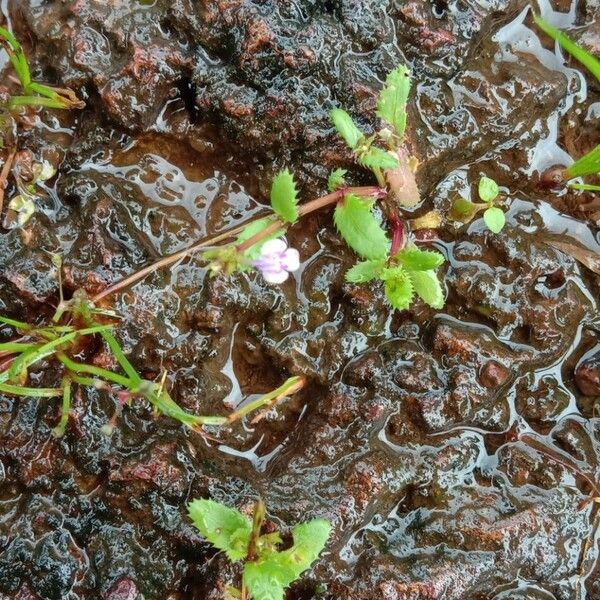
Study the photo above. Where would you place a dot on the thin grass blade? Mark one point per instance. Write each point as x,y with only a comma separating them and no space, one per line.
583,56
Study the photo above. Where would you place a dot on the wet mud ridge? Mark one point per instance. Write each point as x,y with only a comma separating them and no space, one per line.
453,451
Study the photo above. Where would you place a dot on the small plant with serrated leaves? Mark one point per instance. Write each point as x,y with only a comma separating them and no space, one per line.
260,244
269,565
464,210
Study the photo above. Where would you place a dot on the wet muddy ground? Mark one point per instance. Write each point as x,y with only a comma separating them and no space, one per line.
453,450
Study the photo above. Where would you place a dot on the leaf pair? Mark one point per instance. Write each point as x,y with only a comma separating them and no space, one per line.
412,271
368,155
267,577
464,210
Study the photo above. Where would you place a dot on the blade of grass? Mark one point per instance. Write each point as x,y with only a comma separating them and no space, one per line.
17,390
16,101
59,430
583,56
79,368
17,56
16,324
290,386
122,359
28,358
585,187
588,164
163,403
14,347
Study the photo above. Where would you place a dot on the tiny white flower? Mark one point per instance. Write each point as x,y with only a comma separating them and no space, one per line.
277,261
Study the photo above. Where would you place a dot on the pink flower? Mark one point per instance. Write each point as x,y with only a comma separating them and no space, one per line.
277,261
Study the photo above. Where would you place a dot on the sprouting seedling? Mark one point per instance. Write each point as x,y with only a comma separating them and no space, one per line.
260,245
464,210
410,271
267,569
34,93
589,164
23,204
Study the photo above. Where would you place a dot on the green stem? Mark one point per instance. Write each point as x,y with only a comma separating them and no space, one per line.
133,375
17,390
28,358
290,386
14,347
173,258
79,368
379,176
306,209
59,430
16,101
16,324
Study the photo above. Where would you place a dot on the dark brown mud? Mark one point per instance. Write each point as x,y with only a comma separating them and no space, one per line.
452,451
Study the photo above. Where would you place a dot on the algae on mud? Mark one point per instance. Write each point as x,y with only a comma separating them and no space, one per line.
423,437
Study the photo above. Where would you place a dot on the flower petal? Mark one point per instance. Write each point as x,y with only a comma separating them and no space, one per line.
275,276
291,260
276,246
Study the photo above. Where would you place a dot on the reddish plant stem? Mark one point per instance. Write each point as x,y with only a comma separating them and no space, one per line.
397,233
257,522
4,175
211,241
307,208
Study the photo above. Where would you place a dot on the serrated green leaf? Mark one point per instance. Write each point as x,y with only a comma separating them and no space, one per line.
494,219
365,271
336,179
357,225
346,128
267,578
488,189
376,157
398,287
250,231
225,528
284,197
391,106
427,286
463,210
415,259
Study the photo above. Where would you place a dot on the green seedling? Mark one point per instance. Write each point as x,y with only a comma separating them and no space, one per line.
589,164
410,271
267,569
34,93
22,206
464,210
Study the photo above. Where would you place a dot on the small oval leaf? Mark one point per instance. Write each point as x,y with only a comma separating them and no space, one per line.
488,189
494,219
